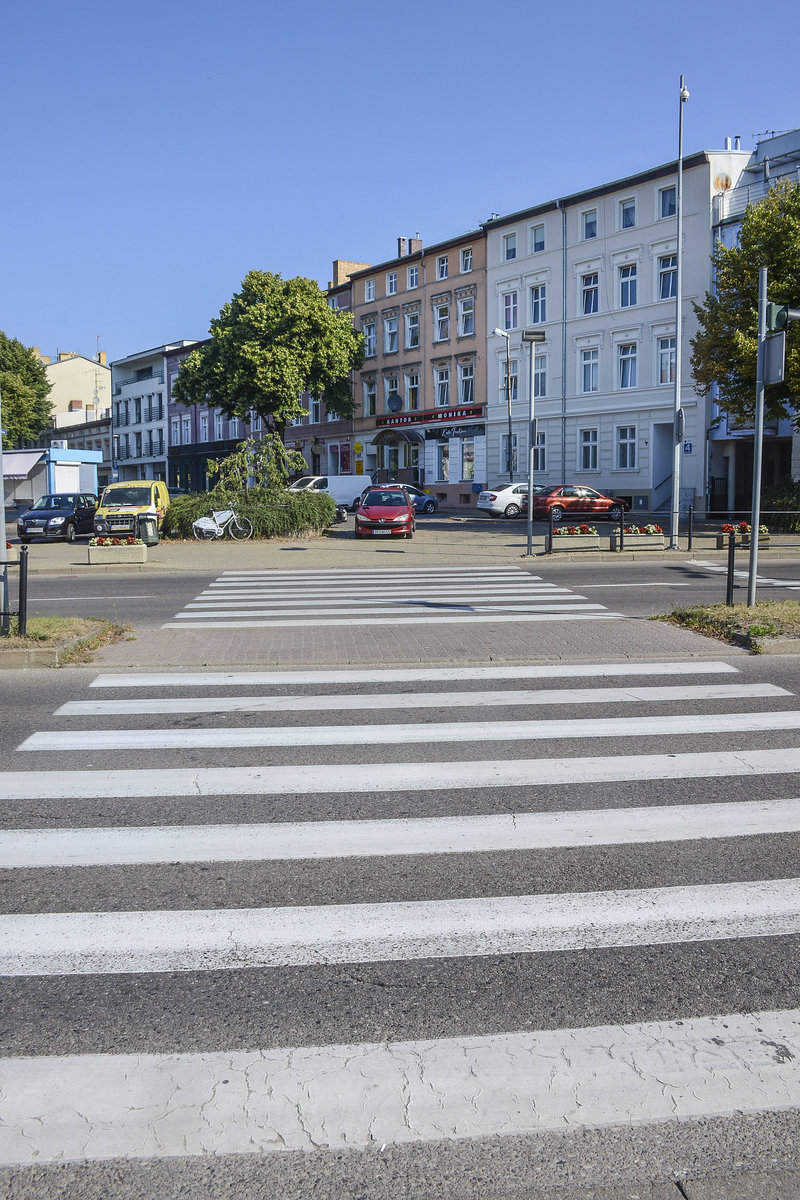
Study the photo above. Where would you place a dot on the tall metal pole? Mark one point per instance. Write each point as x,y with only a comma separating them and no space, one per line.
5,619
531,445
758,437
677,426
508,397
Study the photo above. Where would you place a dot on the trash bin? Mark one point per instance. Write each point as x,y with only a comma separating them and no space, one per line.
148,529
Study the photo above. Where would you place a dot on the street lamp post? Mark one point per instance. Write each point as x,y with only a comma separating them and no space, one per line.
677,427
532,337
503,333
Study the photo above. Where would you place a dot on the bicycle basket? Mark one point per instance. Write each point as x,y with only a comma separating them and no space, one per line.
223,515
204,523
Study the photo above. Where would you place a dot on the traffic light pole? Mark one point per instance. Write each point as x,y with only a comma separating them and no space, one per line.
758,437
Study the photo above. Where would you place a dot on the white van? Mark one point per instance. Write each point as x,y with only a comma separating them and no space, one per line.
345,489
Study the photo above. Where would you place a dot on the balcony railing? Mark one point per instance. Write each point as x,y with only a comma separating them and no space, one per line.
119,384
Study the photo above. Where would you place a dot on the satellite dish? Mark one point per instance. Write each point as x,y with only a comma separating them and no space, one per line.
394,403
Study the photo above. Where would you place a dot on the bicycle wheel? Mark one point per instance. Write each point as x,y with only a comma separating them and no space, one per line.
204,535
240,529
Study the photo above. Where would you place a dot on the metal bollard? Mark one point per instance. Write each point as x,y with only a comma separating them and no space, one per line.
22,616
691,528
622,530
549,530
731,554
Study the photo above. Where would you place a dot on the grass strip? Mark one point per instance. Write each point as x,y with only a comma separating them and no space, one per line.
78,635
730,623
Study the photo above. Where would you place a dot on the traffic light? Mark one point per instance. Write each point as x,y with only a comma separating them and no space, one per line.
777,317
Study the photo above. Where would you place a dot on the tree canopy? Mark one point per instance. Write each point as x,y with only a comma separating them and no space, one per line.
24,388
725,348
276,339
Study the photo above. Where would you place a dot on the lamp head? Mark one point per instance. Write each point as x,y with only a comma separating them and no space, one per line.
502,333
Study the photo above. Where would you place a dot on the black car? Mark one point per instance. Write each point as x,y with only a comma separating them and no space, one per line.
62,515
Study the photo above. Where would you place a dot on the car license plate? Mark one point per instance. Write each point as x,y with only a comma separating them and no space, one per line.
382,532
125,526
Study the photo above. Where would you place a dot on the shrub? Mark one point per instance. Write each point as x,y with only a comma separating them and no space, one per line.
272,514
782,506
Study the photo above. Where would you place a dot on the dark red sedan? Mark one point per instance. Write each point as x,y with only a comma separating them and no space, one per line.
573,499
385,512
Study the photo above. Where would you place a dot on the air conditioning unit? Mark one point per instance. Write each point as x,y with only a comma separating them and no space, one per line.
61,444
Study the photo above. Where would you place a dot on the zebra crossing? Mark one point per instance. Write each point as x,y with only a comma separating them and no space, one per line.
253,599
392,932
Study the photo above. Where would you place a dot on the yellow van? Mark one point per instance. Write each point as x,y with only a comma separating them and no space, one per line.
122,504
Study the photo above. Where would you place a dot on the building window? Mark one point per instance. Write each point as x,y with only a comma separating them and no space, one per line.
316,412
538,304
441,377
441,314
175,431
390,335
627,286
466,383
412,278
539,376
412,330
509,246
233,430
510,310
186,430
590,293
627,214
466,316
590,362
466,260
668,277
370,397
137,445
540,453
390,388
370,339
666,360
589,223
588,449
468,459
219,427
391,283
255,422
412,391
369,289
511,369
667,202
627,365
442,462
441,267
626,447
504,466
203,427
537,239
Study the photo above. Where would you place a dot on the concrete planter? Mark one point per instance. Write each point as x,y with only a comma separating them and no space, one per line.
639,541
763,540
576,541
117,555
12,554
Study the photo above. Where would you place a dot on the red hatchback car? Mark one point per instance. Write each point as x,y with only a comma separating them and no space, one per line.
564,501
385,512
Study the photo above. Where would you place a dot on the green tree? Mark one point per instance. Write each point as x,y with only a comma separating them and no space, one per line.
24,388
262,465
724,349
276,339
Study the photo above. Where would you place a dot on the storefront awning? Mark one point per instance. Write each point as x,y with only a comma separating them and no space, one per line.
391,437
18,464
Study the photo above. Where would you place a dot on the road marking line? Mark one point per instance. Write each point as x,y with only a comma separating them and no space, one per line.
421,618
413,734
365,778
391,675
88,943
422,608
471,699
364,1096
117,846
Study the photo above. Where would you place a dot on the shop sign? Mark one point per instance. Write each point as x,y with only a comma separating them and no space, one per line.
455,431
435,417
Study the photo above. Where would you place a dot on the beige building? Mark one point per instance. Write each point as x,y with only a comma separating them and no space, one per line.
80,388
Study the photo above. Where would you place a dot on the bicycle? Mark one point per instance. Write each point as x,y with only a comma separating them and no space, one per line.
223,521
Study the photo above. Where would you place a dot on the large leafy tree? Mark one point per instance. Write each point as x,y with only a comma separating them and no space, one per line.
724,349
276,339
24,388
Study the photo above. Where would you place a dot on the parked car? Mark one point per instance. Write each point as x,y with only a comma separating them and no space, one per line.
385,512
345,489
422,501
123,504
505,500
64,515
564,501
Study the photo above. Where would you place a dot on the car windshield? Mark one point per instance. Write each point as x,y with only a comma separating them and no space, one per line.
389,498
131,495
548,491
60,501
305,482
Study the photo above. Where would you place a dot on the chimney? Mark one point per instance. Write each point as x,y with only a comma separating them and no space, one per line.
415,245
737,142
101,358
402,247
727,143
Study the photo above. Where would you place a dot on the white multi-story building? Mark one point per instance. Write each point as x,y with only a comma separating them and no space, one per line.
139,413
596,271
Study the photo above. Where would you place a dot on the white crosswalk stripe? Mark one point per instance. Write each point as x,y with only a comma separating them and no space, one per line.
282,600
333,850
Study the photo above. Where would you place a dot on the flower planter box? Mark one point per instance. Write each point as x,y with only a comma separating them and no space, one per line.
12,554
639,541
117,555
576,541
763,540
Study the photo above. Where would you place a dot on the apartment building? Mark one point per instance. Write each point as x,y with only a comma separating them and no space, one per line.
597,272
139,412
420,395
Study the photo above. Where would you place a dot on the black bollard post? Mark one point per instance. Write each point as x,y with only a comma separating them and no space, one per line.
731,550
23,592
691,527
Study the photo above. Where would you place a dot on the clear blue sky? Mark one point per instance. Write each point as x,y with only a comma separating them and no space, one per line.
153,153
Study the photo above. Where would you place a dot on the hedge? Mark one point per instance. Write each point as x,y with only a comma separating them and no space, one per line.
278,514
